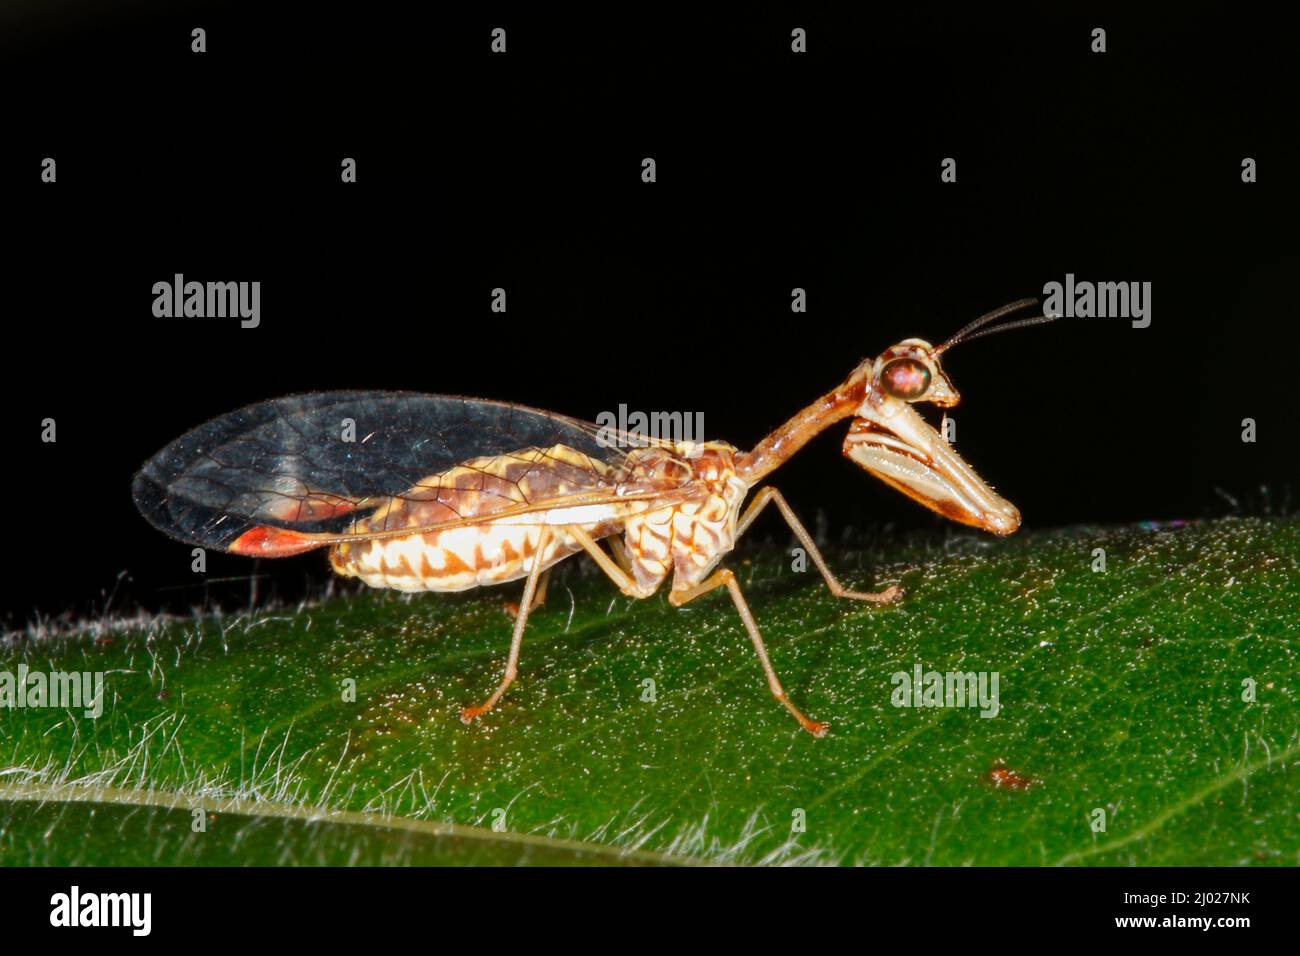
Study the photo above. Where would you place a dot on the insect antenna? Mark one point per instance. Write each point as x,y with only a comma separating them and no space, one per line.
976,330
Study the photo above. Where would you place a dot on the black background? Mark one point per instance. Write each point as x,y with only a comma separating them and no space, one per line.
522,171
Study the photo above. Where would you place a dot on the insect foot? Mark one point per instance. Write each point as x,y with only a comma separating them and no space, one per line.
818,728
891,595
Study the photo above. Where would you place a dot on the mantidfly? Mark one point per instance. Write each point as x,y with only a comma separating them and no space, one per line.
438,493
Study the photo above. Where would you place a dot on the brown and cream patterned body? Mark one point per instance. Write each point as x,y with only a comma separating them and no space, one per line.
685,538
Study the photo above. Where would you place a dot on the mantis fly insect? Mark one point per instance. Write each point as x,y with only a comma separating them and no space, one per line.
439,493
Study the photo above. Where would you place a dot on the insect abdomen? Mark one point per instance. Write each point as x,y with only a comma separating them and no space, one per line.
451,560
474,555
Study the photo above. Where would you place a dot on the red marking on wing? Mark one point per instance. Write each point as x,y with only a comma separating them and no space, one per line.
267,542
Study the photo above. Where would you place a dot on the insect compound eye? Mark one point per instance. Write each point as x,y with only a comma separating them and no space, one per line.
905,378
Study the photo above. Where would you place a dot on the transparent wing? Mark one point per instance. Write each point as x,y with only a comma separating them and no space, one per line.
314,464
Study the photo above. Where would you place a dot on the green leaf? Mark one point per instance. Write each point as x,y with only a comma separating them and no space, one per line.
1119,690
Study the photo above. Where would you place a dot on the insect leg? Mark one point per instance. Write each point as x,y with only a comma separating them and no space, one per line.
888,596
724,577
618,575
512,662
513,609
619,549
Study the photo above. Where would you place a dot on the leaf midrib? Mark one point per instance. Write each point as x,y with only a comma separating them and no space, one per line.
265,809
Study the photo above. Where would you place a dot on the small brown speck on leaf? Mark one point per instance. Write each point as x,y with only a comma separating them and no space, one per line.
1003,777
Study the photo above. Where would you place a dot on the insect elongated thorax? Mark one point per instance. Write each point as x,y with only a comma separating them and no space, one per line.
675,506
